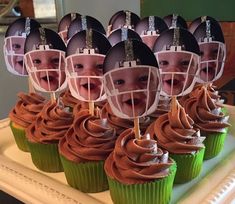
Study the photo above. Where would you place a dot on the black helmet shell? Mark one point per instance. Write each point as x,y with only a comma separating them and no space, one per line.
180,21
215,31
52,39
17,28
142,54
117,35
100,43
186,40
119,20
197,21
144,25
66,21
77,25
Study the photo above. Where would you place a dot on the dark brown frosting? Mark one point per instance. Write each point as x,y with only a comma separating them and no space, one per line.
137,160
203,108
211,91
90,138
51,124
68,100
175,132
121,124
26,109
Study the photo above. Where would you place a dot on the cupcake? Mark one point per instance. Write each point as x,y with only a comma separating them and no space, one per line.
209,118
174,132
23,114
139,171
43,136
83,151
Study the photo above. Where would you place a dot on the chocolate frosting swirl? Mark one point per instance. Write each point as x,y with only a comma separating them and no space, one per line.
211,91
26,109
137,160
121,124
205,111
51,124
88,139
174,131
68,100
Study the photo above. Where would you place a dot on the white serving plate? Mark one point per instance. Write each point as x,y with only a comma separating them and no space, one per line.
21,179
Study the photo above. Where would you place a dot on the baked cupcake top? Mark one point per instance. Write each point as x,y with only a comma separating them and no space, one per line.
175,131
27,108
203,108
121,124
90,138
51,124
137,160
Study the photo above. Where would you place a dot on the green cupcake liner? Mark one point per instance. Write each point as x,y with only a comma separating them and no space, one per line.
20,138
214,144
224,110
45,156
155,192
88,177
188,166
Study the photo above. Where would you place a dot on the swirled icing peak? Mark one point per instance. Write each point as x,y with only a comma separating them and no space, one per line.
51,124
175,131
137,160
90,138
26,109
206,112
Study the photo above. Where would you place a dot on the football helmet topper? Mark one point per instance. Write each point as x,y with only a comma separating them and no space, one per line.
122,34
64,25
131,79
212,49
13,47
177,54
149,28
197,21
84,58
83,23
175,20
45,60
124,18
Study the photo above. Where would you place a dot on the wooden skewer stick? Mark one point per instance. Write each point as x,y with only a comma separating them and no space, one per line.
91,108
137,128
30,86
52,95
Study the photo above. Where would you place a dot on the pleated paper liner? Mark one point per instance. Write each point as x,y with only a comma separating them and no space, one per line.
188,166
156,192
88,177
45,156
20,138
214,144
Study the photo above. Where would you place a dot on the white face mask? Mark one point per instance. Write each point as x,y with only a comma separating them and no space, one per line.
178,71
133,90
85,76
46,69
213,56
13,50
